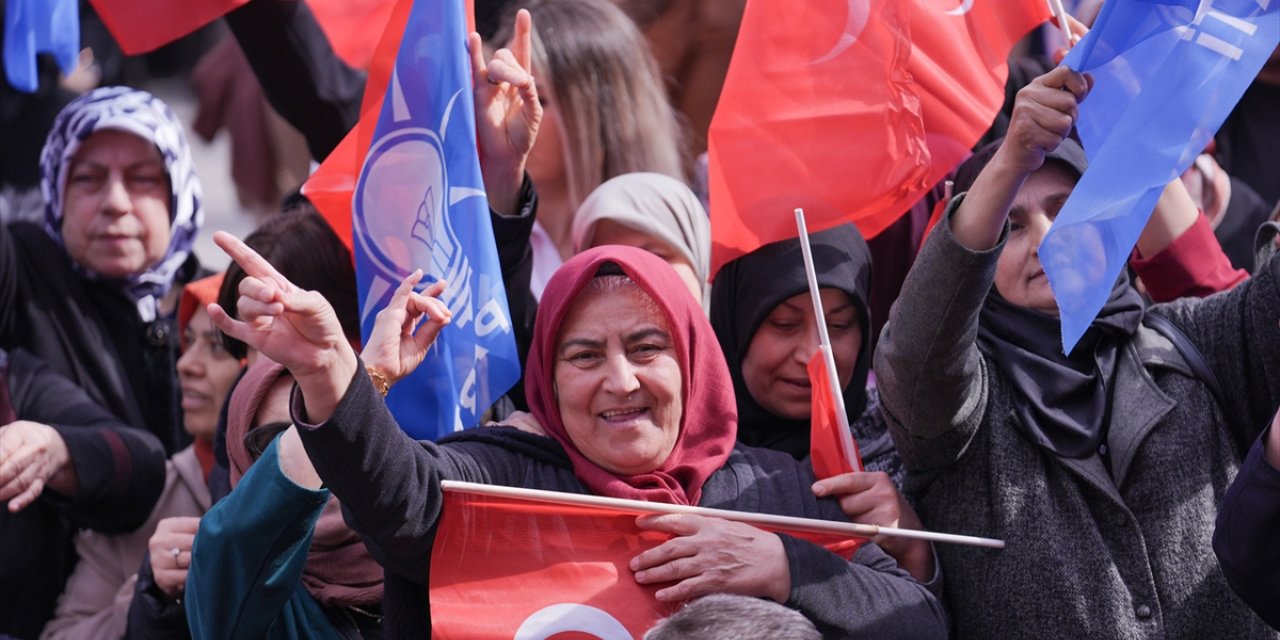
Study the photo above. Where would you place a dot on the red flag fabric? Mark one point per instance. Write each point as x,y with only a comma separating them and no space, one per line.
852,119
353,27
832,449
333,184
817,111
959,60
140,26
505,567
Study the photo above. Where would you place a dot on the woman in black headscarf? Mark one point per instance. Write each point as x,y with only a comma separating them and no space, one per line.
763,316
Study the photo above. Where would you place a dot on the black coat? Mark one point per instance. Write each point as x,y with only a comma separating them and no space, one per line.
361,452
90,333
1245,537
121,473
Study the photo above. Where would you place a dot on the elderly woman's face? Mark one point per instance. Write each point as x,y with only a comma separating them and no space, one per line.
115,218
618,381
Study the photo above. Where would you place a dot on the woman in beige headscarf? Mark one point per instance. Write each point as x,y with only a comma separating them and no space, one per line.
653,212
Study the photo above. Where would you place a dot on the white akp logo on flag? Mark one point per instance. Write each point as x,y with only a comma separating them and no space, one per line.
419,203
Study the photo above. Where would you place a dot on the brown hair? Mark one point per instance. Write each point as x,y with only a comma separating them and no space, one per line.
302,247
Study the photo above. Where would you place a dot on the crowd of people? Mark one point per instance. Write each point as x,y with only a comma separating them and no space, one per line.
209,455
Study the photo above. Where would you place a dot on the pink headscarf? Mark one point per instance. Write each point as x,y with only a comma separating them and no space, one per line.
339,569
709,425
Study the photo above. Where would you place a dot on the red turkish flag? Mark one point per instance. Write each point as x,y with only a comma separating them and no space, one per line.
505,567
333,184
959,60
818,112
353,27
832,449
140,26
851,109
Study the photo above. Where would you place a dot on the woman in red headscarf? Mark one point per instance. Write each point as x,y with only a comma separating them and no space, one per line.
617,346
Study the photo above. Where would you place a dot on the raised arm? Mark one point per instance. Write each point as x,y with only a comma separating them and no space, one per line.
248,557
930,375
301,76
508,113
1178,255
388,484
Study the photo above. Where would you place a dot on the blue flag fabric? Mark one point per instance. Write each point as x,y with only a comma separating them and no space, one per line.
39,26
1166,75
419,202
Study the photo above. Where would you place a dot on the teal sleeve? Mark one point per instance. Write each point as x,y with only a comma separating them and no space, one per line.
245,579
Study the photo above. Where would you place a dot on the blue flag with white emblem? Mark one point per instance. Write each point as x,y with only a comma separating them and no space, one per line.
419,202
1166,74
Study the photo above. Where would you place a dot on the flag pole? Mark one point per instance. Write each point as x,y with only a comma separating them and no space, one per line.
1060,12
806,525
824,344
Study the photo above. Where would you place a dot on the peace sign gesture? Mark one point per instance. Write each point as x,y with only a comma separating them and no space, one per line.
508,112
293,327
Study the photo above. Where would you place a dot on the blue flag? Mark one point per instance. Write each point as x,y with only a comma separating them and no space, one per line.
420,203
39,26
1166,74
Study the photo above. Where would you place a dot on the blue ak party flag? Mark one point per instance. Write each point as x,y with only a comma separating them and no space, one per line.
1166,74
419,202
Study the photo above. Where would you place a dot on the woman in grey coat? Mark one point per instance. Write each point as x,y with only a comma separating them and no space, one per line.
1102,470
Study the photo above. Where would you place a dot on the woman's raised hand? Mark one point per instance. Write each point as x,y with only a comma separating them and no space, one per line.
1043,114
295,328
406,328
508,113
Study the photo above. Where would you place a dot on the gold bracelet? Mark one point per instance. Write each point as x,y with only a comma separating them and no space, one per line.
380,381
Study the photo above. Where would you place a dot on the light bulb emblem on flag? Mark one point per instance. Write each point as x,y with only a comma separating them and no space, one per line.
397,226
418,202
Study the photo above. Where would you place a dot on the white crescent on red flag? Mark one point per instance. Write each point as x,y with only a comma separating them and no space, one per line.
513,567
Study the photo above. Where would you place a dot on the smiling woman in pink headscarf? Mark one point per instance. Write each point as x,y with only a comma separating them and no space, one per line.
611,374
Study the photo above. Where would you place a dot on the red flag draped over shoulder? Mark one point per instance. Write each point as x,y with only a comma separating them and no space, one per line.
817,111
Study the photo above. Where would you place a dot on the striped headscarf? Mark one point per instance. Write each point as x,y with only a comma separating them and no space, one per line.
144,115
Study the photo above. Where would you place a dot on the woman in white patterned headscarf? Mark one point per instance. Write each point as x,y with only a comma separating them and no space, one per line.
122,209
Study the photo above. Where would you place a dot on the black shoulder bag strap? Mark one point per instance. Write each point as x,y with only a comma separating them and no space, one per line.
1190,354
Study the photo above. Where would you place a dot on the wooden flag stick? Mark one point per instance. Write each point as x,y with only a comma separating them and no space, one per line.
824,344
638,507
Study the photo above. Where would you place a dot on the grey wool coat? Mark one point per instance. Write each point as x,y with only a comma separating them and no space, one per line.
1088,555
